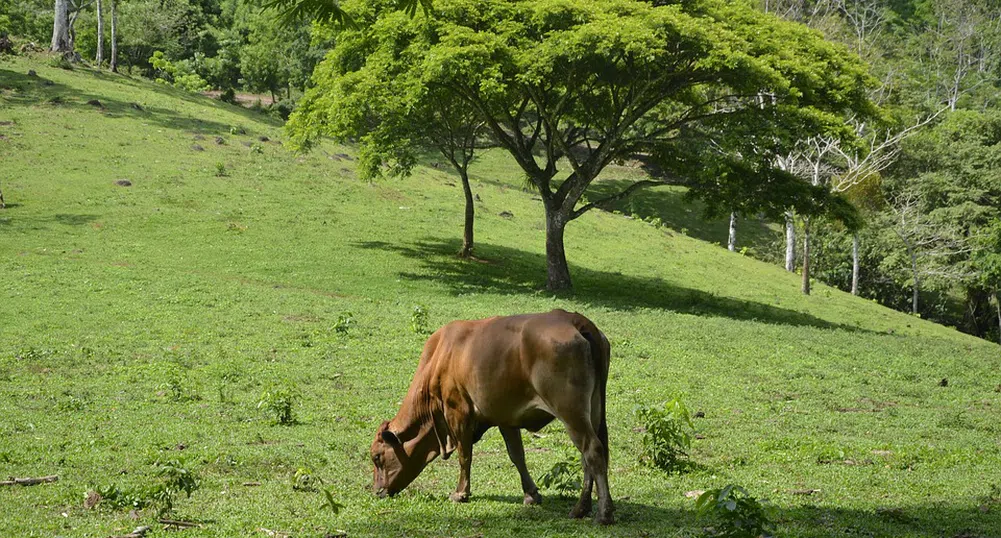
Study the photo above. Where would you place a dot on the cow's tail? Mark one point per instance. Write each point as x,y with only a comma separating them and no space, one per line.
600,356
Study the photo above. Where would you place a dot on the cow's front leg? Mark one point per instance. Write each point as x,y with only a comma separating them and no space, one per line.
465,450
516,450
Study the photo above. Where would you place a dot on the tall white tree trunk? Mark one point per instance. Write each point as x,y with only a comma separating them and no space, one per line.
114,36
61,27
806,255
100,35
731,243
855,264
790,243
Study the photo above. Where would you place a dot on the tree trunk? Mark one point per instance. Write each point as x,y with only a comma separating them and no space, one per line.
61,27
855,264
997,304
806,255
790,242
557,272
731,243
100,35
917,280
114,36
467,235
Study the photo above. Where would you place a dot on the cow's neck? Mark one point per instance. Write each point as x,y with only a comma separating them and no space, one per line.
414,426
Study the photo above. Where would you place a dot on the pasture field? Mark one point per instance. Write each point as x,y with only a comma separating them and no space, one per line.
144,323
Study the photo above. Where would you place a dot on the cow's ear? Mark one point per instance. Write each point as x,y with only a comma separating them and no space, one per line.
390,437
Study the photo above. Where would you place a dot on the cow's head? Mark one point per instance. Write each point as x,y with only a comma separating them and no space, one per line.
394,468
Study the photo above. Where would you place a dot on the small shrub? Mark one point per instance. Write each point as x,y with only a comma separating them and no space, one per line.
419,319
61,62
228,96
344,322
739,514
304,480
175,479
281,404
668,435
220,170
565,476
256,149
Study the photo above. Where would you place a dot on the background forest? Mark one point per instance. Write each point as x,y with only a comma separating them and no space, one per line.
924,172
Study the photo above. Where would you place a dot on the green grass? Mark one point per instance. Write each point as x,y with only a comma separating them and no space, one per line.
145,323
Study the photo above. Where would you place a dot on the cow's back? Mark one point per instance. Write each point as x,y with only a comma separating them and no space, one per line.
512,368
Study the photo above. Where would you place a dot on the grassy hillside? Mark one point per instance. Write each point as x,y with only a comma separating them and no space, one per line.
144,323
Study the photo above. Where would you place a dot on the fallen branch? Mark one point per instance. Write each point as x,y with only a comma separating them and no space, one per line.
140,532
28,481
177,523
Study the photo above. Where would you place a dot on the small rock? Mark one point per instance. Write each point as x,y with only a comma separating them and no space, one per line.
196,147
344,156
137,106
48,83
699,436
943,383
32,73
181,446
220,140
264,139
247,143
123,183
95,102
198,137
478,198
804,491
506,214
700,414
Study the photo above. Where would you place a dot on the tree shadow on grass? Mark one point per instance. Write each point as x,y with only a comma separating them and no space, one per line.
509,271
31,91
42,222
639,519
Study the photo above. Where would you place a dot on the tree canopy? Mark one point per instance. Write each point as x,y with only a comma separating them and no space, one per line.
710,90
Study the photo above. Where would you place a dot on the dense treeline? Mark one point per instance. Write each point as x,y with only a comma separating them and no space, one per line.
195,44
932,200
922,168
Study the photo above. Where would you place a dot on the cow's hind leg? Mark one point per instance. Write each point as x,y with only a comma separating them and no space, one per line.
595,471
515,449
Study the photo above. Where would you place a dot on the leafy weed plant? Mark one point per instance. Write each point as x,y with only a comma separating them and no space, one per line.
280,403
565,475
667,436
739,514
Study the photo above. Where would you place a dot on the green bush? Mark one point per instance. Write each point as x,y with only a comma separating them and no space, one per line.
739,514
281,404
668,435
565,476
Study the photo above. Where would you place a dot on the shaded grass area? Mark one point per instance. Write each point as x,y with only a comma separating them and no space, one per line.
145,323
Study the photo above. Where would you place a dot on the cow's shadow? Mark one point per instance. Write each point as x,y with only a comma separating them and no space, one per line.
640,519
504,270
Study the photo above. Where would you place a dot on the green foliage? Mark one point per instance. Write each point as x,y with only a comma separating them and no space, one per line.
305,480
419,319
667,436
565,475
345,321
175,478
220,169
739,515
179,75
280,403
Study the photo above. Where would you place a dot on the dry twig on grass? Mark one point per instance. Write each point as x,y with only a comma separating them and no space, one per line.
28,481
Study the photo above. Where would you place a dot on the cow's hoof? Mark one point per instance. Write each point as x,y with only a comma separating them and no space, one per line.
533,498
581,511
604,518
459,497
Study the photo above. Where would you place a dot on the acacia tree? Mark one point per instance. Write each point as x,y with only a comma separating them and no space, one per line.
585,84
392,115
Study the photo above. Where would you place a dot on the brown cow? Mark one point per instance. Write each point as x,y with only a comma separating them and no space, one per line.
510,372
